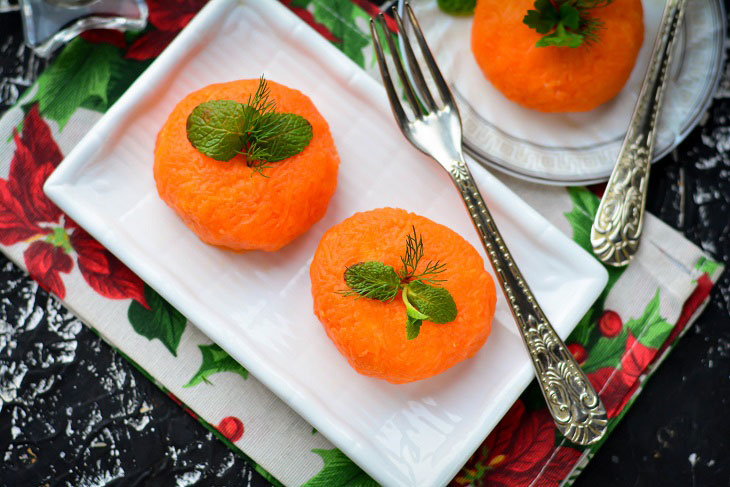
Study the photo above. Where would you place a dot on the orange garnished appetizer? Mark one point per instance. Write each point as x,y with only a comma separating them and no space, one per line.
248,164
402,298
558,55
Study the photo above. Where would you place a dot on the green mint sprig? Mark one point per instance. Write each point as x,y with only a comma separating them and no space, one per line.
565,23
373,280
419,291
220,129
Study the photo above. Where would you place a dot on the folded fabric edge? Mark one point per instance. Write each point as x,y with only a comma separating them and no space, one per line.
691,311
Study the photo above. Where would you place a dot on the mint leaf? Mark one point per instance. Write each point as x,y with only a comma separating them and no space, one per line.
283,135
215,360
457,7
223,128
373,280
215,128
413,328
435,302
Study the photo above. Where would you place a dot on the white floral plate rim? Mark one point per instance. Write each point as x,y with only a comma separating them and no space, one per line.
257,306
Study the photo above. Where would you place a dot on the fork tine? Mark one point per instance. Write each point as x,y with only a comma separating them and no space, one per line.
415,68
395,104
408,88
430,61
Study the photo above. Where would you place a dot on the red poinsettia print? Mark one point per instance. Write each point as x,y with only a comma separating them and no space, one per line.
521,449
168,17
104,272
695,300
150,45
105,36
28,216
231,427
308,17
616,386
45,262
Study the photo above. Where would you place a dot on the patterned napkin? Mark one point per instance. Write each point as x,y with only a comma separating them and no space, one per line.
620,341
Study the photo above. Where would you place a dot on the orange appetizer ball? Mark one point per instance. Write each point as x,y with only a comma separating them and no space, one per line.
370,333
556,79
224,202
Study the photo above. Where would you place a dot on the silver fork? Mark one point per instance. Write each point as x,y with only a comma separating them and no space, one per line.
435,129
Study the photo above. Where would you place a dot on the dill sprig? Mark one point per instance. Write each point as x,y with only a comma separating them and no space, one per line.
411,259
260,101
257,126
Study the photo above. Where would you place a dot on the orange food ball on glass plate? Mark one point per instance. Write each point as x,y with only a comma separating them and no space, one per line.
556,79
224,202
372,334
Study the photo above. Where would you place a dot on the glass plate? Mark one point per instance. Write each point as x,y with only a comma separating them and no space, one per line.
576,148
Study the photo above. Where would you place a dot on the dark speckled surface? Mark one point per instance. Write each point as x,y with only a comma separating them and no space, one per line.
678,431
73,412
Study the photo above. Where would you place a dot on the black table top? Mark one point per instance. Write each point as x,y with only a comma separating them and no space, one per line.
74,412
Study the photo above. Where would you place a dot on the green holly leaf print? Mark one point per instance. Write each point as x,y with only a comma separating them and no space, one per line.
585,207
707,266
79,75
339,17
215,360
584,329
122,73
606,352
160,320
650,329
339,471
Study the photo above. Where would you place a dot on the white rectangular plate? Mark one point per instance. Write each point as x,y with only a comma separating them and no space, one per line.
258,306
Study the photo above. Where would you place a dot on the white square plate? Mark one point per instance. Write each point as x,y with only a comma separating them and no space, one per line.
258,306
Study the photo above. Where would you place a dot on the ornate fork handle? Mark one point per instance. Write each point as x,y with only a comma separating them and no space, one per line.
572,401
617,228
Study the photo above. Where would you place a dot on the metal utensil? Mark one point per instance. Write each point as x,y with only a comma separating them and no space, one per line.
50,24
435,129
619,222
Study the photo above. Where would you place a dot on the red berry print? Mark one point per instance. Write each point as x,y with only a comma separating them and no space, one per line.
610,324
579,352
231,427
